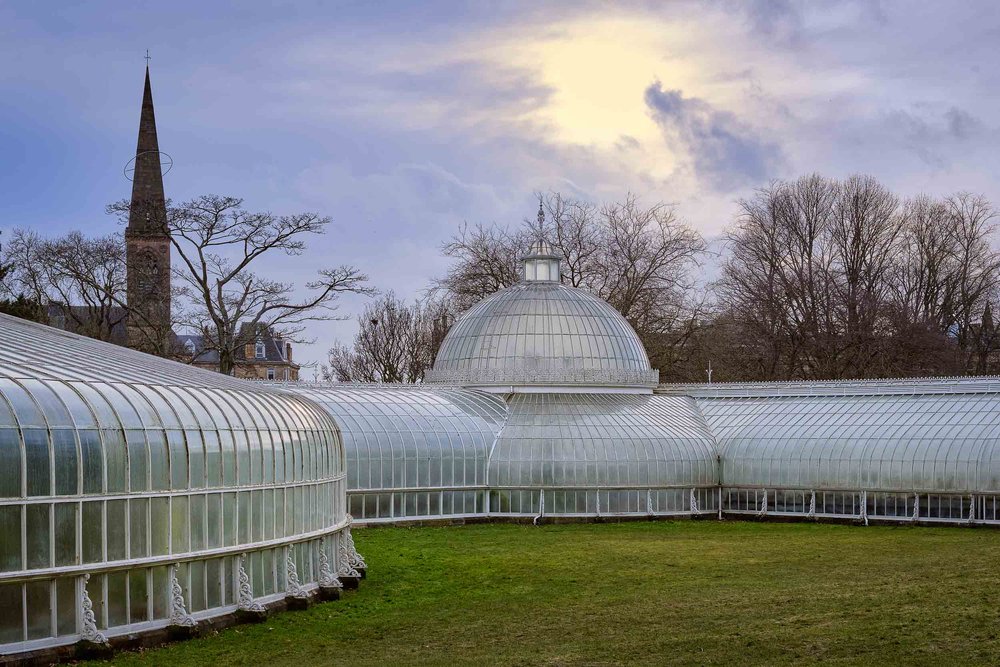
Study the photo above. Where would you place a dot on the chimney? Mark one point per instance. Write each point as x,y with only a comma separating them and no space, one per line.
288,352
248,351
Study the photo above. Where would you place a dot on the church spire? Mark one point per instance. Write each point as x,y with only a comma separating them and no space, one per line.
148,204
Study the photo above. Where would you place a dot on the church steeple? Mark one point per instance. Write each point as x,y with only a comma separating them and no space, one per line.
148,203
147,242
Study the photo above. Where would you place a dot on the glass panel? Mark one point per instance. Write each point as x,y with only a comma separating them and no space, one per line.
10,538
38,602
65,534
38,533
10,463
12,603
36,455
93,534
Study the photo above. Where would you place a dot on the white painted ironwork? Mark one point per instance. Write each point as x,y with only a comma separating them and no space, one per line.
178,610
762,512
245,600
327,577
357,562
293,588
541,506
812,505
649,502
863,515
916,506
88,622
693,502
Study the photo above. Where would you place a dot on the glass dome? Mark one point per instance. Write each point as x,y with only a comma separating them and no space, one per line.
137,493
542,333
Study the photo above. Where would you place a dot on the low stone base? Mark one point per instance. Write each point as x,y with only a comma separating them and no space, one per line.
329,593
247,616
297,603
87,650
181,632
363,571
350,583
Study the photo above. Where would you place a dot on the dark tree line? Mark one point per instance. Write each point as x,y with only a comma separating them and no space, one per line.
821,279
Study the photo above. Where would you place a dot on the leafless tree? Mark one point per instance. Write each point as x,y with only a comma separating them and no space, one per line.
639,258
82,279
396,342
218,244
829,279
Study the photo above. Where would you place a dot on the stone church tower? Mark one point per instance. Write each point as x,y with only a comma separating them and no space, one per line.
147,241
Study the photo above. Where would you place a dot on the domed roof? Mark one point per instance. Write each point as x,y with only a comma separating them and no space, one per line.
540,332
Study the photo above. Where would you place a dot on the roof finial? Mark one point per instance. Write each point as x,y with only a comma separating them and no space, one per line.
147,58
541,217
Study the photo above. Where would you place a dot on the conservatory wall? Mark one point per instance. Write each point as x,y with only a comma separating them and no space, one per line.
137,493
895,450
412,453
603,455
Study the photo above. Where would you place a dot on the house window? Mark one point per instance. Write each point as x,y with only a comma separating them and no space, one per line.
260,352
270,373
189,344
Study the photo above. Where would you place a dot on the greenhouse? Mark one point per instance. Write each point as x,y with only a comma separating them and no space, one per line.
413,452
141,495
138,494
926,450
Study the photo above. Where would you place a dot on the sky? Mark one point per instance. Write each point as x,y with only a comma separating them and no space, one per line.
401,121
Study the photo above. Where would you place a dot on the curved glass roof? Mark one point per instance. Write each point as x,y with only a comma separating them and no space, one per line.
603,440
542,333
915,435
399,438
116,466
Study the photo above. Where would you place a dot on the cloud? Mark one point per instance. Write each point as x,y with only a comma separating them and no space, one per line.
722,150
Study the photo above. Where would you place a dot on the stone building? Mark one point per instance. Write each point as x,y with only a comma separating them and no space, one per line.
266,355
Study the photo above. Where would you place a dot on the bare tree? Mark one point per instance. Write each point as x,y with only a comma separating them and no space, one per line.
638,258
81,279
486,260
396,342
219,243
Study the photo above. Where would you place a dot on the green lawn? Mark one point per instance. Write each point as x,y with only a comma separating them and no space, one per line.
641,593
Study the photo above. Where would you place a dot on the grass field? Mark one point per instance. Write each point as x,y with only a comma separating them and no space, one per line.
641,593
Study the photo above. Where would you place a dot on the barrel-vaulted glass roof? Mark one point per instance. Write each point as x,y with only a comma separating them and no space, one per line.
901,435
120,471
603,440
415,437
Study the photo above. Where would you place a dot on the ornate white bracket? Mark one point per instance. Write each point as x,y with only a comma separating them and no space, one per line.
598,502
178,612
245,601
762,511
812,504
356,560
649,502
88,621
541,506
327,578
864,507
294,587
694,502
916,506
972,508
